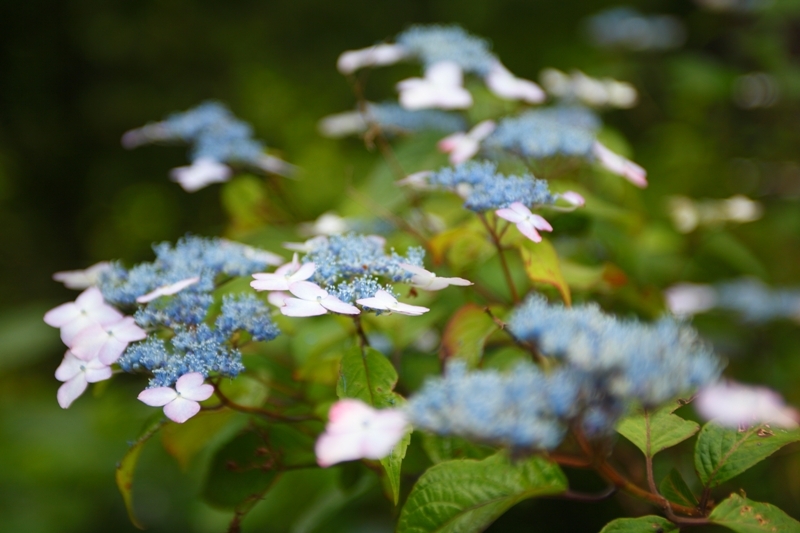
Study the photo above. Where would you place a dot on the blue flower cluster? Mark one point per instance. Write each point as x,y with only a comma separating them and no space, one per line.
349,265
433,44
623,27
197,349
190,257
245,313
540,133
605,367
212,131
395,119
523,409
756,302
485,189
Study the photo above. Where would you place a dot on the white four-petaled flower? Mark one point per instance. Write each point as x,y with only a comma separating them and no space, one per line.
441,87
82,279
88,309
429,281
313,300
283,276
527,223
386,302
505,85
357,431
181,403
736,405
167,290
76,375
619,165
463,146
202,172
380,54
106,343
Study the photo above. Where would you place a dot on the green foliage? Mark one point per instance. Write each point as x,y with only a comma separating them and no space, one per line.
466,496
466,333
541,266
746,516
643,524
724,453
655,430
675,489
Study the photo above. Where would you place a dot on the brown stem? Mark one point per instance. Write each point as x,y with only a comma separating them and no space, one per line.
362,337
506,271
571,461
266,413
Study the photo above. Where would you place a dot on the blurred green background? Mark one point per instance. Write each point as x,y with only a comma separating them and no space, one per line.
75,75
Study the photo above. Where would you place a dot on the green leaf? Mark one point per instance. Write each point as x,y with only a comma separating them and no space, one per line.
369,376
184,441
440,449
244,200
541,265
722,453
465,496
746,516
675,489
462,246
653,431
466,333
643,524
241,471
126,467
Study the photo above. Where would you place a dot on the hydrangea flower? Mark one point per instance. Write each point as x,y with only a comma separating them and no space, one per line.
181,403
380,54
106,343
201,173
619,165
167,290
463,146
88,309
76,375
312,300
507,86
357,431
441,87
384,301
82,279
283,276
587,90
423,279
736,405
527,223
392,119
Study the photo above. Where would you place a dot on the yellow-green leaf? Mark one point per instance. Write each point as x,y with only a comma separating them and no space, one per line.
655,430
542,266
465,334
746,516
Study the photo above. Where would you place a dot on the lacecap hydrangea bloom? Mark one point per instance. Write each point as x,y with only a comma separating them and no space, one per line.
392,119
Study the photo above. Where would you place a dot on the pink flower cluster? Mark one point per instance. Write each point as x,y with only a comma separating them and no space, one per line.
96,334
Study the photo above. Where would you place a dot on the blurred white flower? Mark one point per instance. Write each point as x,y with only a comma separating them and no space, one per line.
505,85
202,172
736,405
380,54
441,87
386,302
527,223
463,146
82,279
687,299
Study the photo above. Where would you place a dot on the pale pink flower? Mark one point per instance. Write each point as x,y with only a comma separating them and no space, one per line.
429,281
386,302
527,222
571,197
88,309
736,405
441,87
463,146
167,290
417,180
202,172
106,343
619,165
82,279
357,431
687,299
378,55
76,375
313,300
277,298
181,403
283,276
505,85
306,246
326,224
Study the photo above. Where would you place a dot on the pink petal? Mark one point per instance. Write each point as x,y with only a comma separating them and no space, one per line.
332,449
300,308
70,367
90,298
70,390
111,351
275,283
573,198
509,214
157,396
449,143
464,151
733,405
526,228
305,290
332,303
540,223
97,373
89,342
277,298
481,130
81,279
457,281
192,386
62,315
348,410
303,273
127,330
180,410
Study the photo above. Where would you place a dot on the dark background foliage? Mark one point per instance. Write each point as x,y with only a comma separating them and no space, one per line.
75,75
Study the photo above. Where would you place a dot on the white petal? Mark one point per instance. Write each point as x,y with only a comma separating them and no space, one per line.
70,367
381,54
444,73
332,303
481,130
81,279
274,283
180,410
305,290
509,214
70,390
62,315
619,165
277,298
573,198
204,171
300,308
303,273
167,290
411,310
687,299
540,223
127,330
733,405
332,449
157,396
526,228
94,373
192,386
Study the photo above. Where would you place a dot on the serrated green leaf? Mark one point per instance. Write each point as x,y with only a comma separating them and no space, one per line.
369,376
653,431
463,247
241,471
127,467
541,265
466,333
643,524
675,489
440,449
722,453
465,496
183,441
746,516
